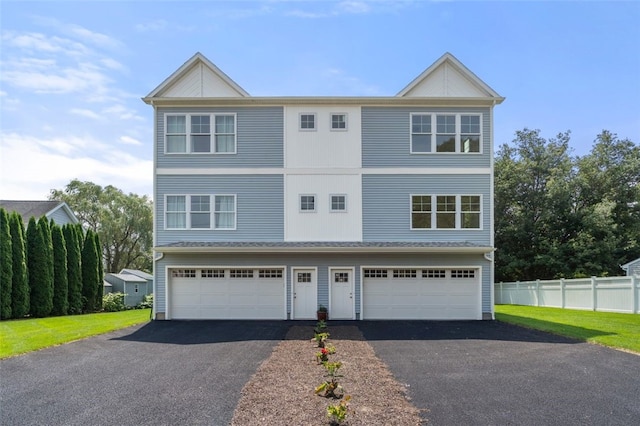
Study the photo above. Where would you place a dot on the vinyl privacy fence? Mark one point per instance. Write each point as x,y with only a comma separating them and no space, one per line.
610,294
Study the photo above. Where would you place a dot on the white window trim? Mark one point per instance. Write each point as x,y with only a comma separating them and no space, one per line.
235,212
346,204
212,133
212,207
315,203
434,211
315,121
346,122
434,132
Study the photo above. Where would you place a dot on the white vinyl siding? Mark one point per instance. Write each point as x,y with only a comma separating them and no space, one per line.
191,134
445,133
446,211
194,212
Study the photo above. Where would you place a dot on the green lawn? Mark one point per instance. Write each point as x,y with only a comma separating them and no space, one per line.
608,329
20,336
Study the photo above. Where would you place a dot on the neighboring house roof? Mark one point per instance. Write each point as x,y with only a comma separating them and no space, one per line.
37,209
198,81
322,246
137,273
106,284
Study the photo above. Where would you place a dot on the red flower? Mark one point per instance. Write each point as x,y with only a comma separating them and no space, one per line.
324,351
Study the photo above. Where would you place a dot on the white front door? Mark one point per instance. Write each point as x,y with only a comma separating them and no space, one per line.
305,293
341,304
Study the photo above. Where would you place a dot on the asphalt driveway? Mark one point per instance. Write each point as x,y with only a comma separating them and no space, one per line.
491,373
161,373
191,373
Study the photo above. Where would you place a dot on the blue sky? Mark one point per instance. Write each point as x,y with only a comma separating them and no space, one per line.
72,73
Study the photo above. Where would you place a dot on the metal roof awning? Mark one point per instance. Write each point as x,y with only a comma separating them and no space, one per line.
323,247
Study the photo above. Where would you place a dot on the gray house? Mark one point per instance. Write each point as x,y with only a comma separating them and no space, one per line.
133,283
59,211
632,268
266,207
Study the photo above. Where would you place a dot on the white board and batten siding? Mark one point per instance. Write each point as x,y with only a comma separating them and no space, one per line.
201,81
323,224
323,147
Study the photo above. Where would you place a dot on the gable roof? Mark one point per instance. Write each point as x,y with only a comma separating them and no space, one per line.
137,273
626,265
198,77
448,77
37,209
125,277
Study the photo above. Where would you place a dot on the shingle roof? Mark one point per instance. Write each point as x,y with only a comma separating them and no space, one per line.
185,246
27,209
137,273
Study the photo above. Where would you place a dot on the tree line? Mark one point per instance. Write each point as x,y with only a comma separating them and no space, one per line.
564,216
47,269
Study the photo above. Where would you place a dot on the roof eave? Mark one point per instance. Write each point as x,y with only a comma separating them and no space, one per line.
469,250
325,100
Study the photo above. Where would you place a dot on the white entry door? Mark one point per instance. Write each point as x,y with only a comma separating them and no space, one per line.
341,304
305,293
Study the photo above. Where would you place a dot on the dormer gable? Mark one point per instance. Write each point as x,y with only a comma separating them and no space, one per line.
198,78
448,77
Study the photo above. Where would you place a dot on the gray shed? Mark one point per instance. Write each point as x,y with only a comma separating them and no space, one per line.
134,287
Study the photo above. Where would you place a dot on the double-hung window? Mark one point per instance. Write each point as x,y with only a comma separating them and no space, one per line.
225,212
445,212
445,133
195,212
192,134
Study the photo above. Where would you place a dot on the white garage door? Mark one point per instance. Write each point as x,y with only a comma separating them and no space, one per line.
217,293
432,294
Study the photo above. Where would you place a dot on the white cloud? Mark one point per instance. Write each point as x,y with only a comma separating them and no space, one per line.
38,42
128,140
157,25
353,7
85,113
32,166
123,113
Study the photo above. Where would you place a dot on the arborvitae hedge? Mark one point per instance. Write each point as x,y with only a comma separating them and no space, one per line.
100,290
74,272
40,279
20,283
6,266
89,272
60,280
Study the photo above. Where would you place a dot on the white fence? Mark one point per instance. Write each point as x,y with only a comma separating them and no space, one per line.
610,294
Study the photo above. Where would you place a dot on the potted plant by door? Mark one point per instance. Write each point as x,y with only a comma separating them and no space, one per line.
322,313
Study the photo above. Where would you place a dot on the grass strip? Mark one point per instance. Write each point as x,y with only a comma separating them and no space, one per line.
26,335
605,328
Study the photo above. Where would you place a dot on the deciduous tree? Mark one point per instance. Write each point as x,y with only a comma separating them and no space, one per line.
123,222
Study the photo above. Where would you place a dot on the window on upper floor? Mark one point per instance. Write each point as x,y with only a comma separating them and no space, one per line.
445,212
338,121
445,133
192,134
194,212
307,203
307,121
338,203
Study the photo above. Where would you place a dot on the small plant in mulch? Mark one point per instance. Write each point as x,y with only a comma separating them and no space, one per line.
337,413
332,368
320,339
322,356
330,389
321,326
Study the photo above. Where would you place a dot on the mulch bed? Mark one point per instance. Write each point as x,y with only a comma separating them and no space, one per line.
281,392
